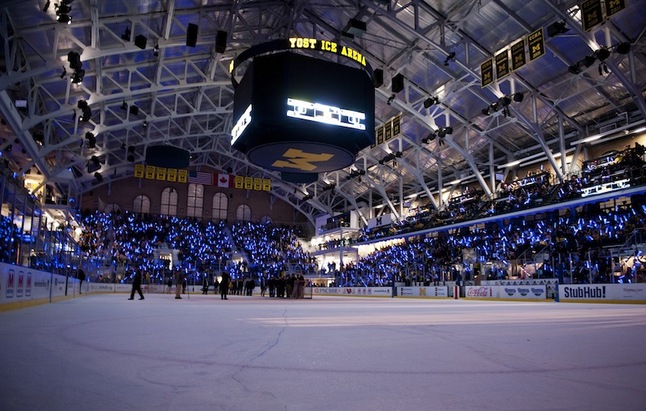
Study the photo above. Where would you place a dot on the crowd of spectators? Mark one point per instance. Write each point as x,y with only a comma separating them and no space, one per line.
579,239
9,233
624,169
122,240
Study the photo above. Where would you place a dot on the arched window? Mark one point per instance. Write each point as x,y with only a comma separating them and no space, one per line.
195,201
243,213
220,206
168,202
141,204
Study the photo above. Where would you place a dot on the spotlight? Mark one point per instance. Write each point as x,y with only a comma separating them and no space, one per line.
623,48
64,18
602,54
504,101
448,58
494,106
75,60
98,177
588,61
574,69
518,97
156,50
556,28
126,34
77,77
399,154
91,140
390,99
486,111
430,101
82,104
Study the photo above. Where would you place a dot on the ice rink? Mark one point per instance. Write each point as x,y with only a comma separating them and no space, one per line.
102,352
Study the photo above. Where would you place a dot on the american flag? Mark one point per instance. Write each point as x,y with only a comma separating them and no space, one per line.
199,177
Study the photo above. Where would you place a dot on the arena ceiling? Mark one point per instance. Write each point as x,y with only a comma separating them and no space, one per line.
184,94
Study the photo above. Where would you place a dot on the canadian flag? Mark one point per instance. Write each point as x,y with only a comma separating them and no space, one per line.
224,180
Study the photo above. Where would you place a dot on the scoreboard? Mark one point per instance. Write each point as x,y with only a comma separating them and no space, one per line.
302,115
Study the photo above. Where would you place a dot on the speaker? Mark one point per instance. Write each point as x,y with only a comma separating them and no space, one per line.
134,110
398,83
378,78
221,41
140,41
191,35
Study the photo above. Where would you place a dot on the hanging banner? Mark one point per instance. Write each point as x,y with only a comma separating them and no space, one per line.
614,6
486,73
536,43
266,184
591,14
388,131
171,174
397,125
502,64
380,135
139,170
150,172
518,59
239,182
182,176
161,173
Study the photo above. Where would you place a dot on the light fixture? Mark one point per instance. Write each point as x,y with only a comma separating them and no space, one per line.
390,99
449,57
504,101
623,48
77,76
62,11
588,60
126,34
602,54
430,101
98,176
574,69
518,97
355,27
91,140
556,28
156,50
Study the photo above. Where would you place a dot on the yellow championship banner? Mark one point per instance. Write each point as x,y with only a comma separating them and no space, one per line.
182,176
248,183
266,184
518,55
171,174
486,73
239,182
139,170
161,173
150,172
257,183
536,44
502,64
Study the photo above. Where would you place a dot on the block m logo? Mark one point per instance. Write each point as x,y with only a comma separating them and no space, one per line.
301,160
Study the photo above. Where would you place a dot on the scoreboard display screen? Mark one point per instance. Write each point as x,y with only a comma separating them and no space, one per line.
299,114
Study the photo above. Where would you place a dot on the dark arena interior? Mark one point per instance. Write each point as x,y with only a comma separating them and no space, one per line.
338,205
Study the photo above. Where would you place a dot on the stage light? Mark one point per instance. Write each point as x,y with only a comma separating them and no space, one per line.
504,101
77,76
448,58
574,69
91,140
623,48
518,97
98,176
556,28
126,34
602,54
588,60
64,18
